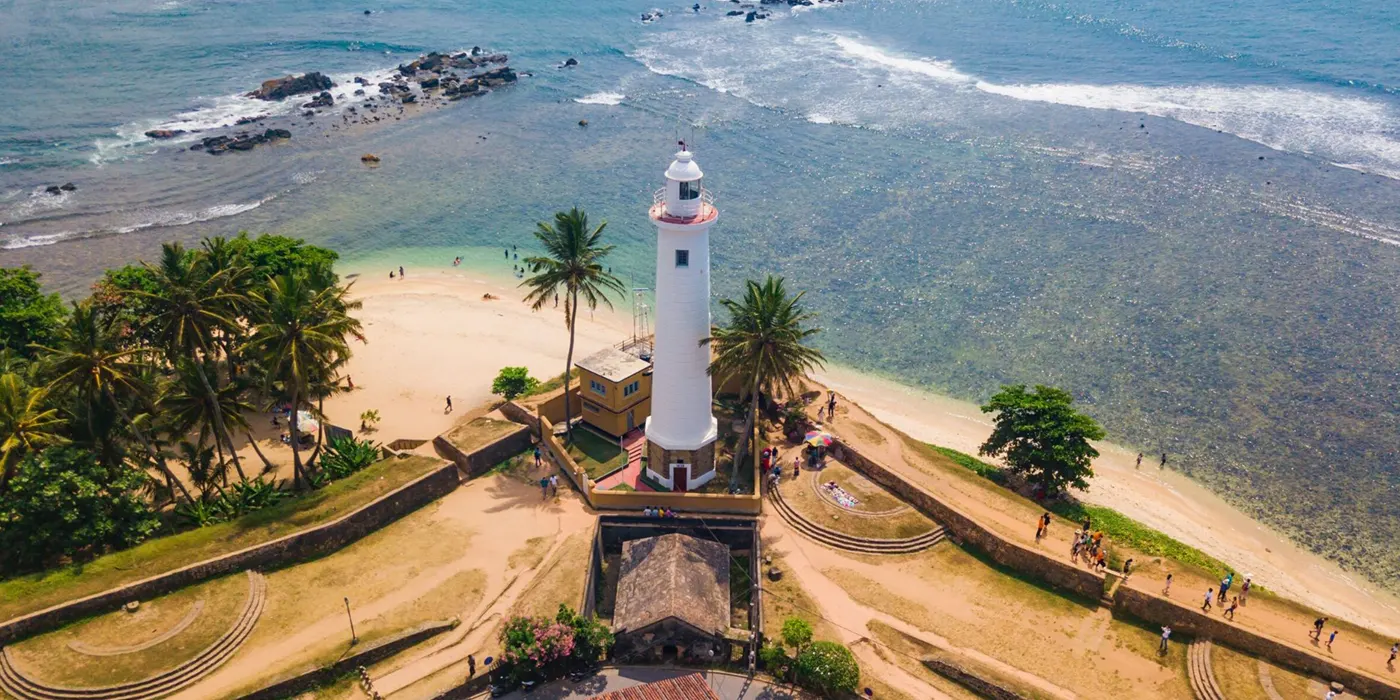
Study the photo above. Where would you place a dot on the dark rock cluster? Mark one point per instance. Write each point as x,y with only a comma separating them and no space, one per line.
242,141
282,88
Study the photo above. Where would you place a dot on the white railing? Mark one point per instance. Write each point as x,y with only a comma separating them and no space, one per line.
658,198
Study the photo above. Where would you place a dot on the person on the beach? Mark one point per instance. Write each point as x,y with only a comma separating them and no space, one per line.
1139,462
796,466
391,274
831,405
449,405
1317,627
506,253
401,274
1166,634
1164,461
1230,611
1331,638
1167,589
351,381
1210,596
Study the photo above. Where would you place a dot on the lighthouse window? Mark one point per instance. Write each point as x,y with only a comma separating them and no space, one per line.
682,258
690,190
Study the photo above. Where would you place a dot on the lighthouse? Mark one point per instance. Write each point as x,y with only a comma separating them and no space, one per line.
681,430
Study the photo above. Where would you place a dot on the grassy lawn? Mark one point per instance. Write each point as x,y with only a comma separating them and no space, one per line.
1237,673
908,650
26,594
480,432
803,499
597,454
560,580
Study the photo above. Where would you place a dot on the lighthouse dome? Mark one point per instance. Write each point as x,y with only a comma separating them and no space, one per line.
684,168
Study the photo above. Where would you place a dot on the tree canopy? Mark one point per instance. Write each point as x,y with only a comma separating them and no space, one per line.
828,668
1042,437
513,382
27,314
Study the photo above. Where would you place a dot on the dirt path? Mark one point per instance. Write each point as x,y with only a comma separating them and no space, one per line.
1014,518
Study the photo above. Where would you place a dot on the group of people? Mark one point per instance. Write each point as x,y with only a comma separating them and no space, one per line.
768,459
1218,596
1088,544
549,486
659,512
401,273
829,407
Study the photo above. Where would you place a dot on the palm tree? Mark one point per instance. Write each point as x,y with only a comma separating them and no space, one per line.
25,424
763,346
189,312
298,338
220,259
571,264
186,408
90,361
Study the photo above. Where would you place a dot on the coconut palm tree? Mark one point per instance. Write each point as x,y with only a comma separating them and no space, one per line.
572,264
762,345
299,336
219,258
90,361
25,424
186,408
190,312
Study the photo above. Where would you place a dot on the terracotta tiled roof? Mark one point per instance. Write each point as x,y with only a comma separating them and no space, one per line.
692,687
677,576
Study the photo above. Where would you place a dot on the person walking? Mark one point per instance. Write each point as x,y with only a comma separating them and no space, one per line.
1394,652
1230,611
1039,529
538,456
796,466
1139,462
554,484
1210,596
401,274
471,666
1331,638
1167,589
1166,635
1164,461
1244,588
1317,628
449,405
1224,586
1127,568
544,488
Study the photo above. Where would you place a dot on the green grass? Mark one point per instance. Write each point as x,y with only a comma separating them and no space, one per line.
1118,527
597,455
25,594
547,386
624,487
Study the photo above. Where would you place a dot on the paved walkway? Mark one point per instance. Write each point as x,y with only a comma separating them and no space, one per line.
635,445
727,686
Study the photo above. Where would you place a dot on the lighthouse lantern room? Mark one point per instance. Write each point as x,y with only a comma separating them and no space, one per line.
681,430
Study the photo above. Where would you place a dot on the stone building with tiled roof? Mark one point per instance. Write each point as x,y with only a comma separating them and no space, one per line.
691,687
673,599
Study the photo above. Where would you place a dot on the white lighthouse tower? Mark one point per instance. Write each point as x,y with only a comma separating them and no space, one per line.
681,430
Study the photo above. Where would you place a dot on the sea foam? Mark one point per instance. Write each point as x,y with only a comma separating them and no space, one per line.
601,98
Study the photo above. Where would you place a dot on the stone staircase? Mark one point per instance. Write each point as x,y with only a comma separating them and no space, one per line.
635,443
851,543
1198,668
13,683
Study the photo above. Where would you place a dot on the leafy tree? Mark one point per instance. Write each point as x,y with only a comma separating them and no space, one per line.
26,424
572,264
797,633
828,668
764,346
536,647
63,502
273,256
298,338
190,312
185,407
591,637
513,382
1042,437
27,315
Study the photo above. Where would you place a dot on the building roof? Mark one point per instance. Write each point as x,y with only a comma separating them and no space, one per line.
691,687
676,576
612,364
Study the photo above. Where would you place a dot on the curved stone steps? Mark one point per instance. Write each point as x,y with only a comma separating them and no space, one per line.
851,543
1198,669
16,684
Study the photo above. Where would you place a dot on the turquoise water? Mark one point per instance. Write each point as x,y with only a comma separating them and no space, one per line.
1182,212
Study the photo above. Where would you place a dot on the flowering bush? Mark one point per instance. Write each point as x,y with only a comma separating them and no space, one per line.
538,648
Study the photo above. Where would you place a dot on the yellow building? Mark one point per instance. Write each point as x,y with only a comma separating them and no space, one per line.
615,389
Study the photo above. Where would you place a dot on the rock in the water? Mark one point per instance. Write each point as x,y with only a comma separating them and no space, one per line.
369,158
571,61
361,81
476,50
583,122
429,83
322,100
68,187
277,134
733,13
368,12
750,16
359,92
250,120
164,133
53,189
282,88
410,98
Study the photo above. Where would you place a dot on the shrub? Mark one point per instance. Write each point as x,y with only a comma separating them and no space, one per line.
828,668
346,455
513,382
538,648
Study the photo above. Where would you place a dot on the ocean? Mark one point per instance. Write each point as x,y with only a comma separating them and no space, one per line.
1182,212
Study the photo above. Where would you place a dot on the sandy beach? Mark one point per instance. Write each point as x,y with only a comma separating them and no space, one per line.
433,335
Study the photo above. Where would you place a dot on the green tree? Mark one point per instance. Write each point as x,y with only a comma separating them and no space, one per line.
797,633
64,503
513,382
27,315
764,346
828,668
186,408
591,637
26,424
273,256
190,312
89,361
1042,437
299,337
572,264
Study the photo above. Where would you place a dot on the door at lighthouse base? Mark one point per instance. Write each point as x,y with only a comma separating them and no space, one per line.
680,477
